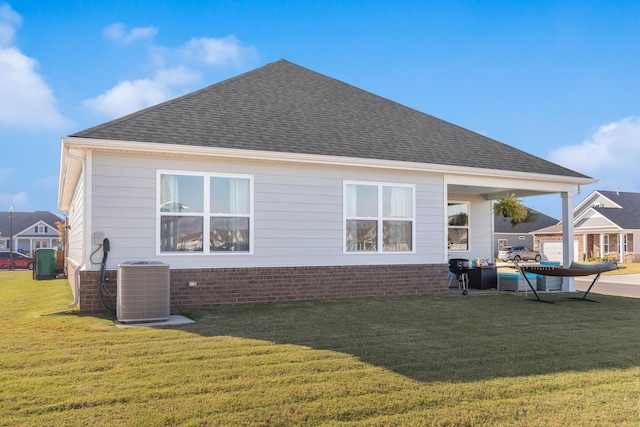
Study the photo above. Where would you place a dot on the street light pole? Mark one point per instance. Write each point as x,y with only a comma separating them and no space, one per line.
11,238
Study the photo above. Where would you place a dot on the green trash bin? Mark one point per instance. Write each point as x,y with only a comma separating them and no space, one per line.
45,267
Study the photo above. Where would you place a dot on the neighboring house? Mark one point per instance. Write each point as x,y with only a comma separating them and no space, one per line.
504,234
31,231
606,226
282,184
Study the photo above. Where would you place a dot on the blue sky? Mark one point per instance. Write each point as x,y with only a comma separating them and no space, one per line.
558,79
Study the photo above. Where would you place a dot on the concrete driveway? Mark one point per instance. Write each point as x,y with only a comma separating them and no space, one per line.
625,285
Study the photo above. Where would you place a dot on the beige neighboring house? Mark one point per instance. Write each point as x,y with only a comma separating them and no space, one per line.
606,226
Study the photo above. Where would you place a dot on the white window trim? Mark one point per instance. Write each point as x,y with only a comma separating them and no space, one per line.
380,218
206,250
468,227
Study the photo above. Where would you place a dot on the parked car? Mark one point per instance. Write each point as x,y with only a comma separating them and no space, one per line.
19,260
518,253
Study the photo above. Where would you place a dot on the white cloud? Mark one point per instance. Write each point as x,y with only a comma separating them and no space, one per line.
118,32
19,201
175,69
9,22
611,154
26,101
217,52
129,96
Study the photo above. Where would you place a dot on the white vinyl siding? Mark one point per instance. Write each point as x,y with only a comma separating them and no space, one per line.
75,222
298,212
595,221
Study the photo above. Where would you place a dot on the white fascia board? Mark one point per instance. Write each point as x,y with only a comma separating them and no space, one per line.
587,200
515,180
71,161
23,232
583,214
458,174
593,196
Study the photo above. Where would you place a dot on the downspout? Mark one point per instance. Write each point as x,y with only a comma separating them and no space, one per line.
76,290
76,271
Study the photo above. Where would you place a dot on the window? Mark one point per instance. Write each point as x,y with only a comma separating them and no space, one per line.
41,229
605,243
458,222
378,217
192,206
624,243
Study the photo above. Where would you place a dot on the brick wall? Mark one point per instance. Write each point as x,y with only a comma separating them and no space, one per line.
230,286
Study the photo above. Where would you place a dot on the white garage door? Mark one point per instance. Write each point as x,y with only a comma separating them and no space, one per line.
552,251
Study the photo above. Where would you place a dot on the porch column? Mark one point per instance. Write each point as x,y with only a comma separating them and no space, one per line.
601,245
568,284
620,247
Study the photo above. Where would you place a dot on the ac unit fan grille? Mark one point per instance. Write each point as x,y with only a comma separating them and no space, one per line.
143,292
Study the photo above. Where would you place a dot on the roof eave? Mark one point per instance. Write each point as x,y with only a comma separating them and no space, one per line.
198,151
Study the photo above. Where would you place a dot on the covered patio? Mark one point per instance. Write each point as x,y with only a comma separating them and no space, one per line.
475,240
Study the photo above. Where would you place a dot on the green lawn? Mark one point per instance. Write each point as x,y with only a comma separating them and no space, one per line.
626,268
475,360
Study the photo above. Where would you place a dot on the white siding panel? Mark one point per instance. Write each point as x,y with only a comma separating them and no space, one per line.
595,221
481,238
75,222
298,212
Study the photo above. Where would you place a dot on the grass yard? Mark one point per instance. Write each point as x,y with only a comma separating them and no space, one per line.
475,360
626,268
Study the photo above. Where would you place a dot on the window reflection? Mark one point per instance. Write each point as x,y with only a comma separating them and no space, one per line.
229,234
181,233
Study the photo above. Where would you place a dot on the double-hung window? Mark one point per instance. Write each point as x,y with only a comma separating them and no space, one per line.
193,206
458,224
379,217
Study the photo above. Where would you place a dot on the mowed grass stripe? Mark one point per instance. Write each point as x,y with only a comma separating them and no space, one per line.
498,360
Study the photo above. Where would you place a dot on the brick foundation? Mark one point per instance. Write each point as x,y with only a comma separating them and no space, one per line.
230,286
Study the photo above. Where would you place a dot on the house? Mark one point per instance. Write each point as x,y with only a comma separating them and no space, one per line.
606,225
504,234
283,184
31,231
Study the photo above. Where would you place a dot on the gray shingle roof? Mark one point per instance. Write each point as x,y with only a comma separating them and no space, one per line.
24,220
502,224
626,218
283,107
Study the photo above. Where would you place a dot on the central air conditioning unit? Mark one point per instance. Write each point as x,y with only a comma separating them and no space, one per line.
143,291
